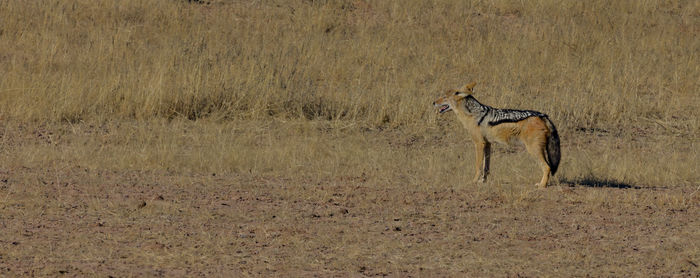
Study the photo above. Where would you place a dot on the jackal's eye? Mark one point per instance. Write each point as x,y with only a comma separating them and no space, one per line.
456,93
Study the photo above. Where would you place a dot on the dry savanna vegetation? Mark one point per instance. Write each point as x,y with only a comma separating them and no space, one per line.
297,138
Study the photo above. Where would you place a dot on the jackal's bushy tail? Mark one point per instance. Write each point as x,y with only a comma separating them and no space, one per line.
553,150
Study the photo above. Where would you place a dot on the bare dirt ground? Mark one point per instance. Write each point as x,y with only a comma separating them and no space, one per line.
70,219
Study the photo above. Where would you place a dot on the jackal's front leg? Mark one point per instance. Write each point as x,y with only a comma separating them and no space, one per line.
487,159
483,156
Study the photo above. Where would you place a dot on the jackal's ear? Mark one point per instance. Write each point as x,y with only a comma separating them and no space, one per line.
468,87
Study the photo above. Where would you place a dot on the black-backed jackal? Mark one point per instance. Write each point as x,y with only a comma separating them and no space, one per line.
487,124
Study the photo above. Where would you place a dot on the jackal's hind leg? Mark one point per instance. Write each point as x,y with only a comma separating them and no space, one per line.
538,152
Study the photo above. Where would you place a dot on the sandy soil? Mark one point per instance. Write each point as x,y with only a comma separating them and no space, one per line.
79,222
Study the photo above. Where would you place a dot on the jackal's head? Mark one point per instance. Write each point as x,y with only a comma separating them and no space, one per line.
453,97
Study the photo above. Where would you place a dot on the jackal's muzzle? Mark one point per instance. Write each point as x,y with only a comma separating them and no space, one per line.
444,108
441,106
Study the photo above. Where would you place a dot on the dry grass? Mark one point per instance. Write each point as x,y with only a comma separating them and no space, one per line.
169,138
594,63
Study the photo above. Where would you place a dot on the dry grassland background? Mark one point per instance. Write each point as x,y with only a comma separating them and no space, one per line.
297,138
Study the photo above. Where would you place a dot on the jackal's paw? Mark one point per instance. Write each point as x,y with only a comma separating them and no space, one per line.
541,186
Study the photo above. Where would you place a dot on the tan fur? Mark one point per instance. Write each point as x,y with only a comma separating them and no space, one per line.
533,132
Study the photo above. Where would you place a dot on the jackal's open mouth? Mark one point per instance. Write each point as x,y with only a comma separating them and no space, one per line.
444,108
